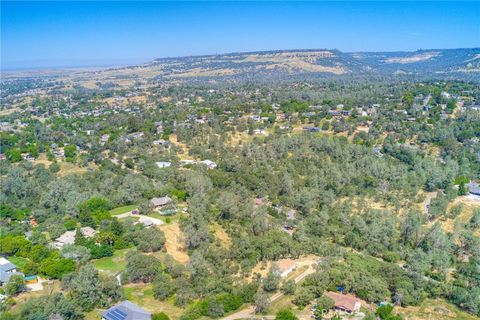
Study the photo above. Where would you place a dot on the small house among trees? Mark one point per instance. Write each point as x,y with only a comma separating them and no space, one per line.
7,269
286,266
474,189
344,302
69,236
160,203
126,310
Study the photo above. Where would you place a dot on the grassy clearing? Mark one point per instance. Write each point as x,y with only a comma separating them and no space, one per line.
124,209
67,168
93,315
284,302
157,215
114,263
434,309
142,295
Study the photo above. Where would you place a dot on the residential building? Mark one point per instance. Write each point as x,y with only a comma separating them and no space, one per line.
312,129
7,269
126,310
159,203
210,164
259,131
147,223
69,236
163,164
344,302
286,266
474,189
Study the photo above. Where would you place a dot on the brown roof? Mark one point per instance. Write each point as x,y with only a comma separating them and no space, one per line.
343,301
286,264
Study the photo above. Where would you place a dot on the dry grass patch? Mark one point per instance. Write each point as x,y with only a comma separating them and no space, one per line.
142,295
173,243
434,309
238,138
174,140
221,235
284,302
67,168
468,205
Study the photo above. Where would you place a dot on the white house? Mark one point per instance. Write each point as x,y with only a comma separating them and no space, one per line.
163,164
210,164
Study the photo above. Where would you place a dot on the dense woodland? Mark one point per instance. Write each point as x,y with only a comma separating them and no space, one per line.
333,180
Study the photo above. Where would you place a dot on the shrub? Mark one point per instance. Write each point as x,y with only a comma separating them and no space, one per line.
160,316
286,315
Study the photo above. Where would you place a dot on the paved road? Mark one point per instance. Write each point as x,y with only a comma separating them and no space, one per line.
249,312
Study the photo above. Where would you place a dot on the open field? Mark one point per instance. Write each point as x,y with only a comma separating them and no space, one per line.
121,210
112,264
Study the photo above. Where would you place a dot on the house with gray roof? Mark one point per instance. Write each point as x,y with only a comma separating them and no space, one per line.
126,310
474,189
160,202
7,269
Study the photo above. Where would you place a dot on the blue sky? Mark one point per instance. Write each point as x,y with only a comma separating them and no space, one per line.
57,34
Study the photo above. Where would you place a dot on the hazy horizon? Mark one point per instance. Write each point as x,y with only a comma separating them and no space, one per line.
56,64
59,34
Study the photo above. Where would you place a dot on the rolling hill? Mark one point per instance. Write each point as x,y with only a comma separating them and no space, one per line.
442,63
461,64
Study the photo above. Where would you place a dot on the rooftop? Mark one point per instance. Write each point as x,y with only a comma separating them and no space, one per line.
286,264
474,187
343,301
126,310
161,201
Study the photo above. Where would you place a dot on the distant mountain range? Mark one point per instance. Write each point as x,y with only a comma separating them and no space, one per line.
277,64
463,64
